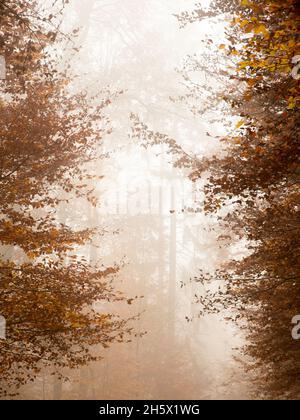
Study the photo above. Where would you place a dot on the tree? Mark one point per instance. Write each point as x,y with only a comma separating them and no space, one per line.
259,178
254,180
48,138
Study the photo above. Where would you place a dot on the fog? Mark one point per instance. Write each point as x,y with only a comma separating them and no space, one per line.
135,46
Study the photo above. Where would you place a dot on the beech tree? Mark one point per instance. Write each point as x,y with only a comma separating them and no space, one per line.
259,176
255,179
49,137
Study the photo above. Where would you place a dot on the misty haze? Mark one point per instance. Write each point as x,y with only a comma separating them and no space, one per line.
149,175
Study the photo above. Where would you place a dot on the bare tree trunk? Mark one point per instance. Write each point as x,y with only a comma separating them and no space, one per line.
57,388
172,270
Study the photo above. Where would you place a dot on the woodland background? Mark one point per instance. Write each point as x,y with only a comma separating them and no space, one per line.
149,222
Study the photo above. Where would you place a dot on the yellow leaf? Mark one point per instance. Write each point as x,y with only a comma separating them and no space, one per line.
234,52
239,124
292,103
244,23
261,29
31,255
244,64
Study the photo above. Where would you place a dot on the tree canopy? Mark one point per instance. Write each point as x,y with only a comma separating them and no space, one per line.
50,137
255,179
